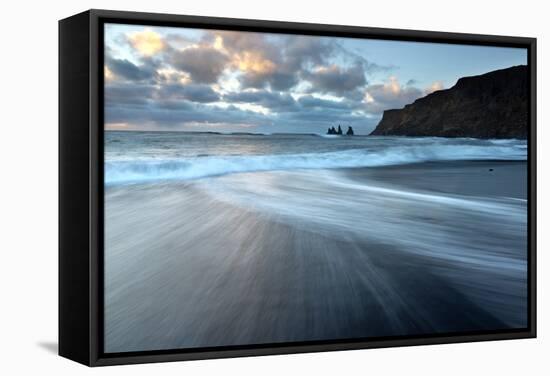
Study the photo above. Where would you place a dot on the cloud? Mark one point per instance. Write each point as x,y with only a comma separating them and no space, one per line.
122,68
205,64
389,95
146,42
108,74
273,101
171,76
334,79
275,62
178,41
237,41
435,86
309,101
124,94
117,94
253,62
260,62
191,92
301,51
269,82
279,81
268,61
174,114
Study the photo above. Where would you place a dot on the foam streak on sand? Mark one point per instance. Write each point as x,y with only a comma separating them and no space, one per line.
319,254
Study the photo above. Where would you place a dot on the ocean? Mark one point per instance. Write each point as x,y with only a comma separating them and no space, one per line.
161,156
235,239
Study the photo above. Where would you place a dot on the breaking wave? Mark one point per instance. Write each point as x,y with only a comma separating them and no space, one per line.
151,170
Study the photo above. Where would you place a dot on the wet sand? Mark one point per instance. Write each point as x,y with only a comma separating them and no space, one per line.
315,255
473,178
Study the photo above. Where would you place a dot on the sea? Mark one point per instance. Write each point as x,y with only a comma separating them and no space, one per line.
132,157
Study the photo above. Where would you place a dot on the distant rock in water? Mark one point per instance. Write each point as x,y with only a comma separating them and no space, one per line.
491,105
332,130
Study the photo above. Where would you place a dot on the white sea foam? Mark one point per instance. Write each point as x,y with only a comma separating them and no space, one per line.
130,171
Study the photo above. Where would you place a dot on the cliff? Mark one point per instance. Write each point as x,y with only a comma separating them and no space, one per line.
492,105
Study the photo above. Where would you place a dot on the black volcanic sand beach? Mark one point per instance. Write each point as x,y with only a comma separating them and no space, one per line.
281,256
473,178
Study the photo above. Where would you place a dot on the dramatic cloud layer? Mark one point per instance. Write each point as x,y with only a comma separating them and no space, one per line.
147,42
204,64
390,94
201,80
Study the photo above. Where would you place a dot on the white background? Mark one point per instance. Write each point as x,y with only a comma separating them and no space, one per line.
28,189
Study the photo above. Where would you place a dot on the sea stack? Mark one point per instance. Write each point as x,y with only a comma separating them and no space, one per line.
332,130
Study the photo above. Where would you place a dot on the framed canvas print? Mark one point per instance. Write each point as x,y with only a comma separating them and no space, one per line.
237,187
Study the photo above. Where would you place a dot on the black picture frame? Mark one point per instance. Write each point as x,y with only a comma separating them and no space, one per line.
81,185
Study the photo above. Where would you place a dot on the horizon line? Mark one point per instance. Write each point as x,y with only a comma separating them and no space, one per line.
229,133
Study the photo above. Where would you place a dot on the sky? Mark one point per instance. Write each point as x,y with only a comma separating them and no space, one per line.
181,79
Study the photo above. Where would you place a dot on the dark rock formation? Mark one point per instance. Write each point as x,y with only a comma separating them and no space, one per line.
332,130
492,105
